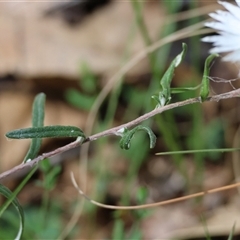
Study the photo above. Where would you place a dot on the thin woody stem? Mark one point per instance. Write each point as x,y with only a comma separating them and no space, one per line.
114,131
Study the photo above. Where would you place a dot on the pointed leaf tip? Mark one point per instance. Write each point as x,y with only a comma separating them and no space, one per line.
204,92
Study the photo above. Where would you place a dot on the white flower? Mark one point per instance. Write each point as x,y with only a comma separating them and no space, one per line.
227,25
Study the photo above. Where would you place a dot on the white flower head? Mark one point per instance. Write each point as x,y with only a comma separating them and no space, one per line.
227,25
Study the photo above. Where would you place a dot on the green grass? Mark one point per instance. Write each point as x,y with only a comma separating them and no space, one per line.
132,101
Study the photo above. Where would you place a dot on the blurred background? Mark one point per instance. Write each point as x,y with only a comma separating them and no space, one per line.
71,50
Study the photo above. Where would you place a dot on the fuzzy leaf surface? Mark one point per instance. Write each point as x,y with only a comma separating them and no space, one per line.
46,132
204,92
37,121
128,135
164,95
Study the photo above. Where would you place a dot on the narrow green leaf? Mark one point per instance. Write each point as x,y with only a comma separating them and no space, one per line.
46,132
118,229
127,136
51,177
37,121
38,110
50,174
45,165
231,235
204,92
141,195
184,89
200,151
8,194
164,95
79,99
88,80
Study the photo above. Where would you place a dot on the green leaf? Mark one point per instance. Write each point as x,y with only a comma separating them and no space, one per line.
141,195
51,177
37,121
118,229
88,82
79,100
184,89
222,150
50,174
204,92
231,235
164,95
127,136
46,132
38,110
8,194
45,165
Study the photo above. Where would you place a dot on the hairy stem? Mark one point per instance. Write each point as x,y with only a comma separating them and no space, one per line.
114,131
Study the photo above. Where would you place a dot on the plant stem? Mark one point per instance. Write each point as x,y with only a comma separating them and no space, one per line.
114,131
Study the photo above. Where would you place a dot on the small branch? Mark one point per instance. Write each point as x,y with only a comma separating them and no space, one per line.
113,131
35,161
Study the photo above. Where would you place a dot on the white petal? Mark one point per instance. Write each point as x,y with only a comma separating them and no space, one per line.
232,9
221,49
219,15
216,39
227,39
230,27
238,3
221,44
207,39
224,17
227,24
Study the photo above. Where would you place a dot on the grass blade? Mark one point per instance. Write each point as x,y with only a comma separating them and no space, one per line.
12,199
200,151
